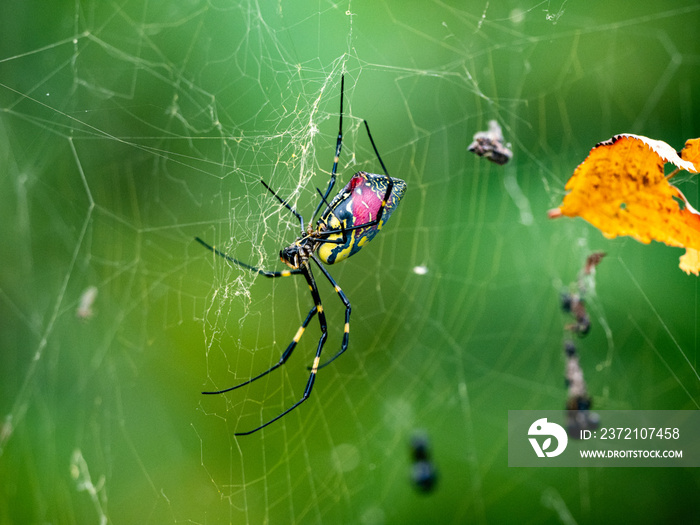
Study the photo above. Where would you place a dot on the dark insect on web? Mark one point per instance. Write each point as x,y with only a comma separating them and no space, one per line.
574,302
423,471
348,222
578,402
490,144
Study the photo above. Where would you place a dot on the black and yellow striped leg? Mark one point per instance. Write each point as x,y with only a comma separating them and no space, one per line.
283,273
338,146
346,302
318,308
287,353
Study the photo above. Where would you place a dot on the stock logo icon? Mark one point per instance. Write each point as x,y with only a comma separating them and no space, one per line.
543,429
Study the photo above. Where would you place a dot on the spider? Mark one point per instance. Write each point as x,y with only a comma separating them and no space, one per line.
348,222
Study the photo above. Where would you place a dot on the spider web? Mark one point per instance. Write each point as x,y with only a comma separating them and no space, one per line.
129,128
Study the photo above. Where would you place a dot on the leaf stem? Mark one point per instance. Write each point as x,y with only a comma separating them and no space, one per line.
673,173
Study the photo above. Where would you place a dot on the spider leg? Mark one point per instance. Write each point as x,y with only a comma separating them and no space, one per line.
338,146
287,353
285,204
346,302
376,151
318,308
283,273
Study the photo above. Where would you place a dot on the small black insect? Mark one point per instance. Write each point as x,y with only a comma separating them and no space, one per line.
423,472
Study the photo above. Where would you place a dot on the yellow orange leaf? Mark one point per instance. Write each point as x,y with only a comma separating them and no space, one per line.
691,152
690,262
621,189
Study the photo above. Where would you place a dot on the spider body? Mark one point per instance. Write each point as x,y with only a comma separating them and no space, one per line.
349,221
357,203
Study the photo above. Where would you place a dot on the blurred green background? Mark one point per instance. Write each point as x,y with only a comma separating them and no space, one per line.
129,128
